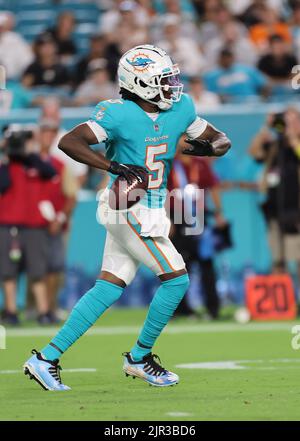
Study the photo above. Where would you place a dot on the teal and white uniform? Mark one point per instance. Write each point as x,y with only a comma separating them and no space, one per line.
133,136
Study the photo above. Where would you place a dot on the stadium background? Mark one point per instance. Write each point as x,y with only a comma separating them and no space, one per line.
228,371
241,121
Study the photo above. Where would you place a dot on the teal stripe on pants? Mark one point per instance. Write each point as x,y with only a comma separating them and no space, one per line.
149,242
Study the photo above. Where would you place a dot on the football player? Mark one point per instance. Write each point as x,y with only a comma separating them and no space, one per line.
141,132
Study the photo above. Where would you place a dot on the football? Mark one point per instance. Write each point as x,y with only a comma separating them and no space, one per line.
123,195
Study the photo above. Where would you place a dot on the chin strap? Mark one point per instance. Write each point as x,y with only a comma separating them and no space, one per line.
162,105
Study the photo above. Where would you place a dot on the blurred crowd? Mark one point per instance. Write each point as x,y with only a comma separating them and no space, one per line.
38,192
228,51
277,147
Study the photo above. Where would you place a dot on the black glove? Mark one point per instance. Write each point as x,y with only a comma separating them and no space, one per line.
199,147
128,171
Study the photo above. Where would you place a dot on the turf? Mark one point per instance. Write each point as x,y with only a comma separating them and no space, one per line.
264,387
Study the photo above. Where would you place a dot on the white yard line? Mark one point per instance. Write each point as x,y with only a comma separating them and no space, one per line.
171,329
241,364
75,370
179,414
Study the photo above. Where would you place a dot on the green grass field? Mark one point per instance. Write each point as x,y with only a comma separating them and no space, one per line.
260,380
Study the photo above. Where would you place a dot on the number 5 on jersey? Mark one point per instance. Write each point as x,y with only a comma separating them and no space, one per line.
155,166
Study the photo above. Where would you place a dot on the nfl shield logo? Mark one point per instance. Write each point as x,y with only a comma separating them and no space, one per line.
156,127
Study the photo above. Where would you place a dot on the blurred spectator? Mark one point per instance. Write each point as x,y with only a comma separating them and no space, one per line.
125,26
216,17
196,173
15,53
295,29
142,11
130,31
8,20
277,145
182,7
146,6
62,35
99,48
57,209
46,69
269,24
234,81
238,7
185,17
252,14
23,229
180,48
278,62
231,38
110,19
51,111
203,99
97,87
199,8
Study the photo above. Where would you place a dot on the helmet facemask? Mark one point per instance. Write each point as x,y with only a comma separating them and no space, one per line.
166,83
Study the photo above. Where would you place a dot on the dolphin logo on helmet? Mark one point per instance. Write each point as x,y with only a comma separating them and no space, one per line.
140,62
148,72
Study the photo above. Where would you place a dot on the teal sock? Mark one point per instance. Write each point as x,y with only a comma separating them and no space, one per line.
164,303
84,314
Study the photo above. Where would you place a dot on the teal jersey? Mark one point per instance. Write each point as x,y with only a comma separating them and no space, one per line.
134,138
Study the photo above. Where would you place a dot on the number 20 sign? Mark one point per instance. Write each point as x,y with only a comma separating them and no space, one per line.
271,297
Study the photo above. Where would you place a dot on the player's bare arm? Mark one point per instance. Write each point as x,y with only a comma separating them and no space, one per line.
212,142
76,144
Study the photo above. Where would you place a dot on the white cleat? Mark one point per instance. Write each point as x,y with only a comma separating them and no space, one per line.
45,372
149,370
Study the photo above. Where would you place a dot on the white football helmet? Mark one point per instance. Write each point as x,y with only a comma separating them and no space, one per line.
148,72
